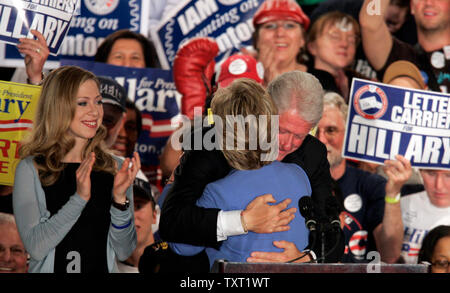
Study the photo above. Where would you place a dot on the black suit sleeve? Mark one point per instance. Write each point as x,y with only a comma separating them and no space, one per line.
181,220
312,157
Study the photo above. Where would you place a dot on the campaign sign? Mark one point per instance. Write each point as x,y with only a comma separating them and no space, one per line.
18,103
155,95
95,21
52,19
229,22
386,120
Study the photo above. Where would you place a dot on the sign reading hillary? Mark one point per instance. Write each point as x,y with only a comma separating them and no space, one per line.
18,103
229,22
386,120
154,94
90,25
51,18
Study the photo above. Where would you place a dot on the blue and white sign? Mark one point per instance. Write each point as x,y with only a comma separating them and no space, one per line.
386,120
52,19
155,95
87,29
229,22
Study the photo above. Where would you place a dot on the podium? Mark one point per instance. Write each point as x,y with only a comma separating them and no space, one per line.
223,266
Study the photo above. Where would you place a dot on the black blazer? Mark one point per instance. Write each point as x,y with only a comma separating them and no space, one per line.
182,221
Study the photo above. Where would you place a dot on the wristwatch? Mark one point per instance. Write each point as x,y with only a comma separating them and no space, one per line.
121,206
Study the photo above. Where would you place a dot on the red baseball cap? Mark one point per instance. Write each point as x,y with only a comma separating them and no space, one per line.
238,66
272,10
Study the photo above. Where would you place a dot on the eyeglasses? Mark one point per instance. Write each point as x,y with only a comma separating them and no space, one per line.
441,264
336,37
287,25
330,132
434,173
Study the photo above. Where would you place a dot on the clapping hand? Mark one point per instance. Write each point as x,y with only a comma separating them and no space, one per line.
125,177
83,175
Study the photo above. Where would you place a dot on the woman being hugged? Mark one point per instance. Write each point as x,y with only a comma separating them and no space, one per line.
71,197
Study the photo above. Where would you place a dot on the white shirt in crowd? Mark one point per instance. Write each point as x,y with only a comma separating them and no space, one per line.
419,217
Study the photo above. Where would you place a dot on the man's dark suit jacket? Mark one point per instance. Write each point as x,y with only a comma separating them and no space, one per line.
182,221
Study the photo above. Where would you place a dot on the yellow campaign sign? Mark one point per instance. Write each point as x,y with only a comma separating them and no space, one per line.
18,103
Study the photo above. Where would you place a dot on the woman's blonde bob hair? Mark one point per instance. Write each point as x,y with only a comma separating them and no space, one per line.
50,139
246,99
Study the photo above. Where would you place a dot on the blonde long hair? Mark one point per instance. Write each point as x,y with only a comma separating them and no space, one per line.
49,140
245,97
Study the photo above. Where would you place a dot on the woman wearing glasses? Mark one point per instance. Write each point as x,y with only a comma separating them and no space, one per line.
279,37
332,41
436,249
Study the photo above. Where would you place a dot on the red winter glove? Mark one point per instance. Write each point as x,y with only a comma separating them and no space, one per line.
193,69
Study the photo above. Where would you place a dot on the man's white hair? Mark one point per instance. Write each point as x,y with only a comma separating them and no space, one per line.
300,91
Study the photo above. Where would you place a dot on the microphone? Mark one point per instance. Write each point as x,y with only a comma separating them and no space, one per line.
332,209
306,207
332,227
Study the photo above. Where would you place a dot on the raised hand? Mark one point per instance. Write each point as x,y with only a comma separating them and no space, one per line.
260,217
398,172
36,53
83,176
125,177
268,57
248,51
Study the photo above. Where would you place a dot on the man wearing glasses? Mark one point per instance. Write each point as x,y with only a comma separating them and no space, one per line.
425,210
13,257
371,205
374,216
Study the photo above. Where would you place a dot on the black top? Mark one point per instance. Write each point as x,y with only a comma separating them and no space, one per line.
363,200
329,84
407,33
433,64
86,242
326,80
182,221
